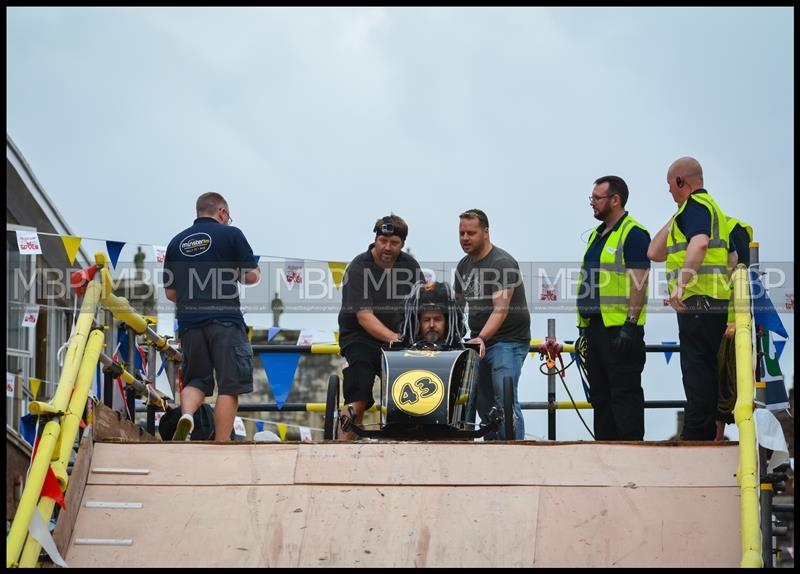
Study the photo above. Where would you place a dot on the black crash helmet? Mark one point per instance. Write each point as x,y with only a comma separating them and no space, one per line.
434,296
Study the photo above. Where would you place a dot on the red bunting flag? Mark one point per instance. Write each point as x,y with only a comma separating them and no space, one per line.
50,488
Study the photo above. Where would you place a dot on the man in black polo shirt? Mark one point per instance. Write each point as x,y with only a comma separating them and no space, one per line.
374,288
740,236
202,268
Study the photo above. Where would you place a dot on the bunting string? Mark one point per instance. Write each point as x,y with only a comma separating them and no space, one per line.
276,257
24,305
277,423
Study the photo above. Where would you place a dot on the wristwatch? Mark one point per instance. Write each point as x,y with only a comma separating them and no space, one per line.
632,321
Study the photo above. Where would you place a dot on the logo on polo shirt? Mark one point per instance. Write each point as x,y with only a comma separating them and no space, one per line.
196,244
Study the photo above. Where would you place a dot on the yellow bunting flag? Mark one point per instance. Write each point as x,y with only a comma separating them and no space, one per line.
34,383
282,430
71,244
250,330
90,411
337,272
336,334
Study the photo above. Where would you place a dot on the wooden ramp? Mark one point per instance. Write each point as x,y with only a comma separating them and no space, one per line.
409,504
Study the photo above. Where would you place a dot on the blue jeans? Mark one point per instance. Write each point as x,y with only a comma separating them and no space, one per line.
502,359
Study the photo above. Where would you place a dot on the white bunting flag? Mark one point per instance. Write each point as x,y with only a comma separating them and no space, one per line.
162,380
11,379
160,253
41,534
305,434
306,338
31,316
310,337
28,242
238,427
293,272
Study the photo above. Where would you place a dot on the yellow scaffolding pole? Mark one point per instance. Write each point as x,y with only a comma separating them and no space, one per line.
123,311
66,407
50,434
333,349
69,432
747,473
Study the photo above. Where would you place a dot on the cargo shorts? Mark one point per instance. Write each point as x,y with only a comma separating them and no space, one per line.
219,351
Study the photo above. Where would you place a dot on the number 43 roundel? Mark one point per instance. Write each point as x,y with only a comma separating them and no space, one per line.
418,392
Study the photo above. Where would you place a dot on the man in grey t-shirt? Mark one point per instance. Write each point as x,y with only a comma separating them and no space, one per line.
489,281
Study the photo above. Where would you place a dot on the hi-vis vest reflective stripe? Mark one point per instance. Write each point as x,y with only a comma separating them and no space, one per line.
712,277
615,285
733,222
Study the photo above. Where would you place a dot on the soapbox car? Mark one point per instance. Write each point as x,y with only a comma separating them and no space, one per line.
425,394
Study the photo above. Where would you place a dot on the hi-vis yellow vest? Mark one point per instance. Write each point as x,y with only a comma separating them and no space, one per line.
615,285
733,222
712,277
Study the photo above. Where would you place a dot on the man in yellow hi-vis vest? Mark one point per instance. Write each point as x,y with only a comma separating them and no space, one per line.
611,313
740,237
695,245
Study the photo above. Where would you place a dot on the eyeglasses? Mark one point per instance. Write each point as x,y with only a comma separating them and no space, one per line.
230,219
595,198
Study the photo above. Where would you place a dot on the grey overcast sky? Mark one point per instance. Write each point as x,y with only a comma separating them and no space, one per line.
313,122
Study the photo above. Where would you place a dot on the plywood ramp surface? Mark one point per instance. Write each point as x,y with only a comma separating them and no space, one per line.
412,504
522,463
196,463
638,527
309,526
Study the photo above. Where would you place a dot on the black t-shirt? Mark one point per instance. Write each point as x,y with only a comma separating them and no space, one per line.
740,241
634,252
367,286
476,281
203,265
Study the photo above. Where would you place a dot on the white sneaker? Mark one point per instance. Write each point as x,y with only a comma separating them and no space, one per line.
184,428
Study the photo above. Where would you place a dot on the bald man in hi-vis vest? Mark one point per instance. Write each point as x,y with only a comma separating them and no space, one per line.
695,244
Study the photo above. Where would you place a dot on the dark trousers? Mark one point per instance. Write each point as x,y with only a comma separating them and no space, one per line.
700,330
615,383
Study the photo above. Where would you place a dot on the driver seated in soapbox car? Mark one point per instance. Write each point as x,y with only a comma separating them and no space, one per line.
428,385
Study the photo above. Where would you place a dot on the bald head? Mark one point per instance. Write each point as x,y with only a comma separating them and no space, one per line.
688,169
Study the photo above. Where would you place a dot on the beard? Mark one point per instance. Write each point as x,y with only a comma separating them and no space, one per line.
601,215
431,336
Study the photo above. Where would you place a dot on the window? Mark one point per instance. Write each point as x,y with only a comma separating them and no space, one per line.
20,289
20,292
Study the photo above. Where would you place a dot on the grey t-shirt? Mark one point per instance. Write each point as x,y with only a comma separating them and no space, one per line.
478,280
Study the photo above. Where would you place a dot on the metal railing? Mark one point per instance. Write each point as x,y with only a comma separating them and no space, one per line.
537,346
